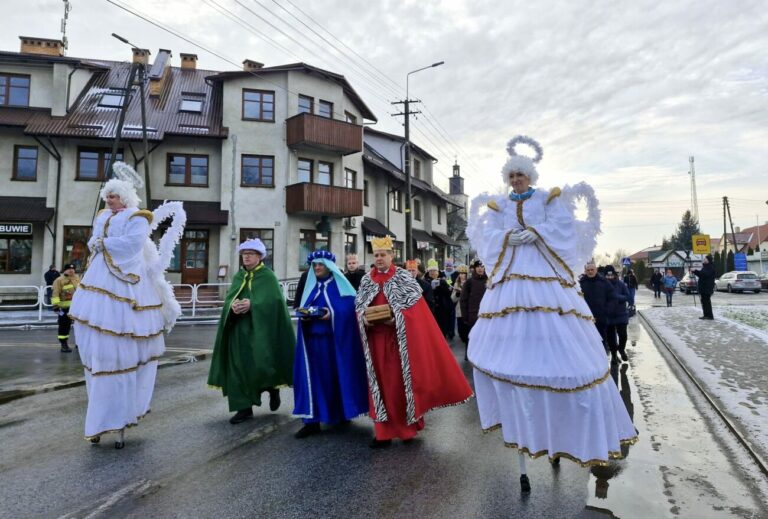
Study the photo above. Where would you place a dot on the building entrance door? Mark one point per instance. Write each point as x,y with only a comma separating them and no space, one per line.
194,257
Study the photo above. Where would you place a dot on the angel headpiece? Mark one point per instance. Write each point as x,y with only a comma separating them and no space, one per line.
124,184
521,163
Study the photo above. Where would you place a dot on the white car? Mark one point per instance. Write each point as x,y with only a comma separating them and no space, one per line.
738,282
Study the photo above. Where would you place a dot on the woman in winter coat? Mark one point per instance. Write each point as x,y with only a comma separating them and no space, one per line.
656,283
670,283
617,316
471,295
456,291
442,293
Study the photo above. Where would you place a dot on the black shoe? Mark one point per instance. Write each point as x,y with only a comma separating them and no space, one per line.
614,359
95,440
274,399
241,416
65,347
379,444
555,462
525,484
119,445
308,430
623,355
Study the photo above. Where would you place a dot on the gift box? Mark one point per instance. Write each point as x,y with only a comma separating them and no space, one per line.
311,312
378,314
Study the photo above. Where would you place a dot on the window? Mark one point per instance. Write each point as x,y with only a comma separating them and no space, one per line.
76,246
439,214
416,168
397,250
258,105
324,173
365,193
306,104
187,170
257,170
350,178
417,210
267,236
25,163
15,255
350,244
305,170
325,109
14,90
396,201
310,241
350,118
191,104
92,163
112,100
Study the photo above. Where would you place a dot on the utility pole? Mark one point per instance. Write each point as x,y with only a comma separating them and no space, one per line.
725,236
694,197
407,167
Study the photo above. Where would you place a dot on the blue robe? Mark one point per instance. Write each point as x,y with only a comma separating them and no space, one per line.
329,374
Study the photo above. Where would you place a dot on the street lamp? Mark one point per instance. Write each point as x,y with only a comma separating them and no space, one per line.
408,221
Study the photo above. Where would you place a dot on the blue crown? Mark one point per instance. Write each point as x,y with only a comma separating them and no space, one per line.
321,254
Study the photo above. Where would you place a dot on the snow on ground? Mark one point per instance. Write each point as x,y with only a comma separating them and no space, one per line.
729,357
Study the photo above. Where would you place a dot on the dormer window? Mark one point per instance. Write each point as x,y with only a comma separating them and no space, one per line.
191,103
112,100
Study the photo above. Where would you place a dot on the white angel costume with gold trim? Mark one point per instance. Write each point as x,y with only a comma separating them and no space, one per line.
123,307
540,370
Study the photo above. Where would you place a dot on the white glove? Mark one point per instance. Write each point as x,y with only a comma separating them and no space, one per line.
527,236
514,239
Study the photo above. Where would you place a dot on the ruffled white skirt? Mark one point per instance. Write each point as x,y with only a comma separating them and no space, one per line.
541,372
119,333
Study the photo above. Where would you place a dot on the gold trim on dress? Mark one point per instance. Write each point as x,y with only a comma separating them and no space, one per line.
120,371
508,277
116,297
520,211
143,213
512,309
612,455
127,426
132,278
553,253
553,193
111,332
493,205
503,253
583,387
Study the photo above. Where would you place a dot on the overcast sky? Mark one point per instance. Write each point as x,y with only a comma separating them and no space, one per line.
619,93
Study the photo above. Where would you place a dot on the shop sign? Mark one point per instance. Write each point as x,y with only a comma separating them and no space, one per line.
15,228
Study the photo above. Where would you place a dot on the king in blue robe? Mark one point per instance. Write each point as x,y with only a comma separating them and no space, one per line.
330,380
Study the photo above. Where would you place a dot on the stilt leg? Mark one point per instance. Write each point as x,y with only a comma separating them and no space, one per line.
525,484
120,443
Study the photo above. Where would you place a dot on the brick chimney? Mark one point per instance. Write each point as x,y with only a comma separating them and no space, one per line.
141,56
250,65
160,73
42,46
188,61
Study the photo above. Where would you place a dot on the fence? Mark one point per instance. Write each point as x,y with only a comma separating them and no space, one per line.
195,300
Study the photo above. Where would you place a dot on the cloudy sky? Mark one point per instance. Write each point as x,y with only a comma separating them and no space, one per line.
619,93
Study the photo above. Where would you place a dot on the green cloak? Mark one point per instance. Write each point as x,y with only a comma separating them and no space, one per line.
253,351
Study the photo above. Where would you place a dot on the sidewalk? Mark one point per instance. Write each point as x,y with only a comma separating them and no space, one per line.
728,357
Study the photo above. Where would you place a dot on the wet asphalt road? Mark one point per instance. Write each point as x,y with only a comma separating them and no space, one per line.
186,460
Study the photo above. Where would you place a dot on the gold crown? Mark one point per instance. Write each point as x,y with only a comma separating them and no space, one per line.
384,243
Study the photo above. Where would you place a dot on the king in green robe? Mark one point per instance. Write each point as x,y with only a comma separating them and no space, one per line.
255,342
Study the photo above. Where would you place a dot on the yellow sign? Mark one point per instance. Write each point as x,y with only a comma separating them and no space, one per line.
701,244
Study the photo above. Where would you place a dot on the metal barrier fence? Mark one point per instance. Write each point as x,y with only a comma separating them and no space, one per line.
26,299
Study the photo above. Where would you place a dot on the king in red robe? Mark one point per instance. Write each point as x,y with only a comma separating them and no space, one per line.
411,368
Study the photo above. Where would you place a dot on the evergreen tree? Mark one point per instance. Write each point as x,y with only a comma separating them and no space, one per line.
665,244
689,226
641,271
730,265
750,251
718,261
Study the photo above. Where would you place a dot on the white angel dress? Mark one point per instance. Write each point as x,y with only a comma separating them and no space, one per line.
540,370
120,312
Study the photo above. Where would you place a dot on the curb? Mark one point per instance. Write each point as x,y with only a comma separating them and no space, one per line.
16,394
761,463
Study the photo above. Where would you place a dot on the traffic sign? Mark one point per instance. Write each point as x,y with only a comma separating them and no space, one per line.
740,261
626,262
701,244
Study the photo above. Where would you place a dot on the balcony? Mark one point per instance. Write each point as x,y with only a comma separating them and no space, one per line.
320,133
312,199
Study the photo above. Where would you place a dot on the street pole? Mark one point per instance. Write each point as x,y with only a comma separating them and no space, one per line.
407,159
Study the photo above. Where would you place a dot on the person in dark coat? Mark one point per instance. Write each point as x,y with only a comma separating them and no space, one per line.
50,276
617,316
597,292
706,276
300,289
443,305
354,273
631,281
426,289
471,295
656,283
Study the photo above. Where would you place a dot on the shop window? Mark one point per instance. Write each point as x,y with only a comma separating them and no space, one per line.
92,163
25,163
76,246
257,171
310,241
267,236
15,255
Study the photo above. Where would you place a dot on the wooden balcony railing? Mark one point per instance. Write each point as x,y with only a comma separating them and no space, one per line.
323,200
315,132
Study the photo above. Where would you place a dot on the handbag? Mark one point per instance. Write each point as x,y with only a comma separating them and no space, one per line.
378,314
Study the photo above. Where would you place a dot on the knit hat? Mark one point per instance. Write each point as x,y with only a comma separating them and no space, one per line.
477,263
432,265
609,269
521,163
253,244
321,254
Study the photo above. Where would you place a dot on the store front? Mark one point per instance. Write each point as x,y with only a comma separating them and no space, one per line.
22,234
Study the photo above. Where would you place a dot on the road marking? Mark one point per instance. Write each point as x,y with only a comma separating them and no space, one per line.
134,488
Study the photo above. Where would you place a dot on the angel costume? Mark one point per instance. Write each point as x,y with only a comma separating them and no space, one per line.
540,370
123,306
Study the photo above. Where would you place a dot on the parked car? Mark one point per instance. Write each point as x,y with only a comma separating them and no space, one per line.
738,282
689,284
763,281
